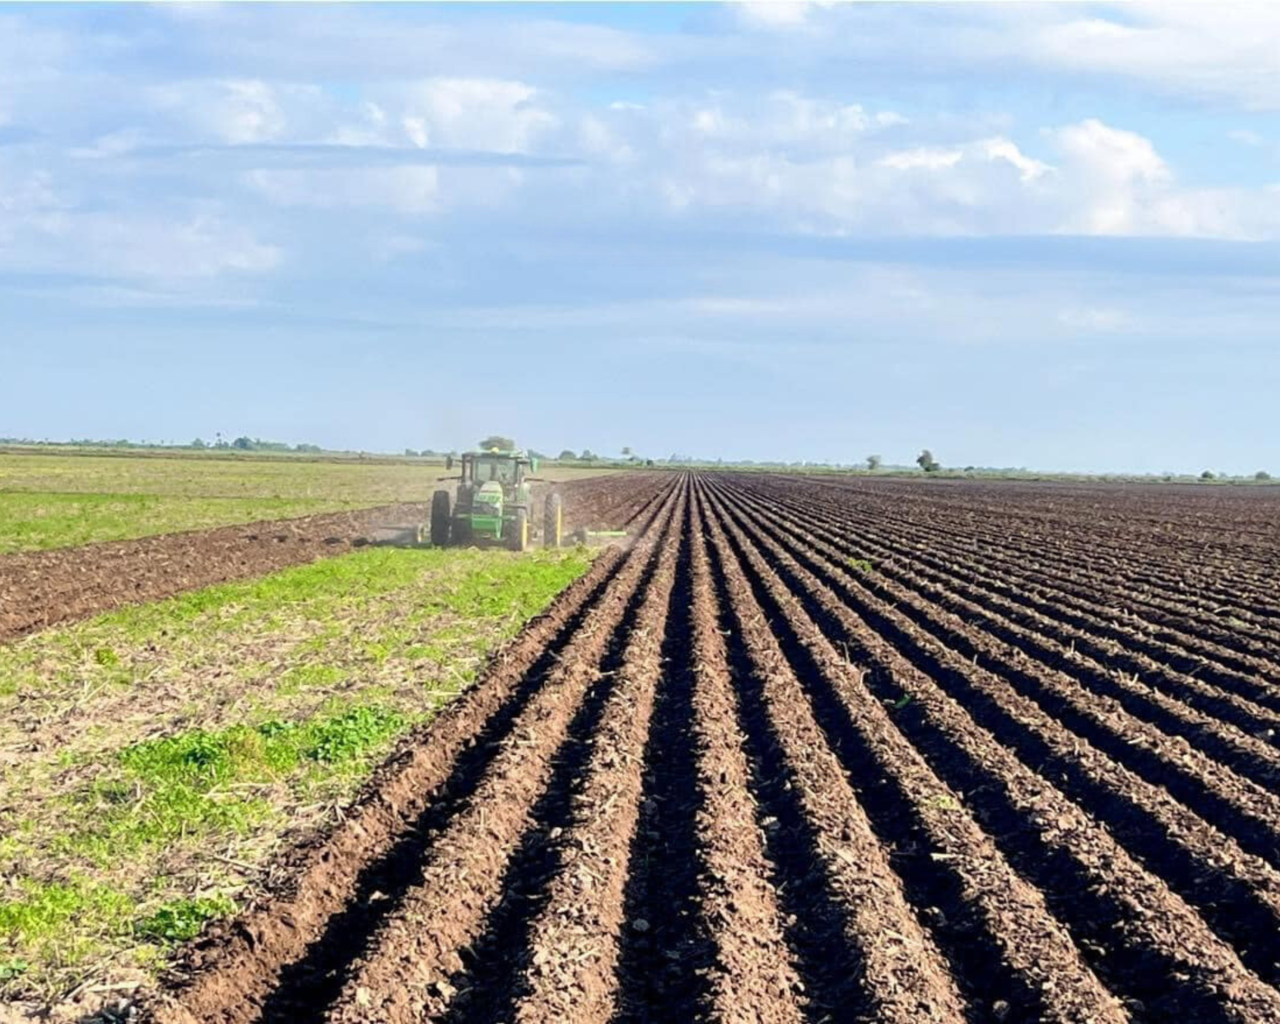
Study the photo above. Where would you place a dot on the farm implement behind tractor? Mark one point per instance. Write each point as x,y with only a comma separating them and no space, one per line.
491,506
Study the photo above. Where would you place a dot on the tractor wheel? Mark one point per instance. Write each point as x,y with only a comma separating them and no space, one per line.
553,525
440,519
520,530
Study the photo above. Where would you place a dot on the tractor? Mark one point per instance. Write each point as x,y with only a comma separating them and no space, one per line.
492,505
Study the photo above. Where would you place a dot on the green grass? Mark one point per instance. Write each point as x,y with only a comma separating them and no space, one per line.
40,521
174,739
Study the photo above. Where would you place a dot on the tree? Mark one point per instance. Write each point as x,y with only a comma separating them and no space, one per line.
503,444
199,443
1207,475
410,452
1262,474
587,455
626,453
567,454
873,462
244,444
927,462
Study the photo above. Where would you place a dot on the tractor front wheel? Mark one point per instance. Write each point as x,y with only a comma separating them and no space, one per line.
553,526
440,516
520,530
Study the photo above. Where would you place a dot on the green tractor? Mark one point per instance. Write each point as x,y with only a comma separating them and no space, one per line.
492,505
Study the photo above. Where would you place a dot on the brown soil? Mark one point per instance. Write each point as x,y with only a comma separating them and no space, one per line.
737,773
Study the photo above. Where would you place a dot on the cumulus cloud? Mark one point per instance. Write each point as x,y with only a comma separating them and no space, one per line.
476,113
778,14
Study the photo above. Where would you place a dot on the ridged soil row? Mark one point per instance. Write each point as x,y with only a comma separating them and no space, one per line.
1246,754
1199,715
1151,621
231,972
1187,549
1077,546
1239,894
1013,959
569,968
1070,552
415,959
1182,642
1142,939
613,502
752,976
895,972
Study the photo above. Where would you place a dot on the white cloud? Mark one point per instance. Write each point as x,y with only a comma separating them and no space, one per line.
1213,50
923,158
1095,319
240,111
1245,137
1029,169
778,14
136,245
477,113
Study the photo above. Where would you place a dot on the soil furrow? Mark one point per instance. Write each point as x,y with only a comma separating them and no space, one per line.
570,966
1165,639
1238,806
898,970
1237,893
1012,957
1143,939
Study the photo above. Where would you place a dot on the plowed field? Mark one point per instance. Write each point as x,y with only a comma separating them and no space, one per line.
847,751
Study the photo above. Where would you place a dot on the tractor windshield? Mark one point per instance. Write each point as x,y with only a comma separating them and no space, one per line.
502,470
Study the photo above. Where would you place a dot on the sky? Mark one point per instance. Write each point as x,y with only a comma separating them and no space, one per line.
1018,235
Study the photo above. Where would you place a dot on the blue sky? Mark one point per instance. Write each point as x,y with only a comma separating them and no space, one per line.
1043,236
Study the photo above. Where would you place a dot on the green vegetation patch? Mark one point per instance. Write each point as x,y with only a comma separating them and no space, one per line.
176,745
40,521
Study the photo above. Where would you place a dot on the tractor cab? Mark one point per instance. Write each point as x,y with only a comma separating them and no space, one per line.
491,505
507,469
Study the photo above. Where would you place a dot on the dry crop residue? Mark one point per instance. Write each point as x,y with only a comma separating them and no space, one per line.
824,750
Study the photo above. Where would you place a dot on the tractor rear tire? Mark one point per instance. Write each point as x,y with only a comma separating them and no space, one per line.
440,518
553,523
520,530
